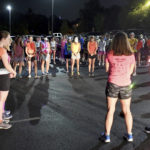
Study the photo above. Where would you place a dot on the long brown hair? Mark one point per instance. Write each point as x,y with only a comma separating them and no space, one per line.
121,45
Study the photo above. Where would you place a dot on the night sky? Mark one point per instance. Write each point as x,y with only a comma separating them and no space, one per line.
68,9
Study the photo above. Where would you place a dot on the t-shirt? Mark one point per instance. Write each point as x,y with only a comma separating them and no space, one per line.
102,46
133,43
119,69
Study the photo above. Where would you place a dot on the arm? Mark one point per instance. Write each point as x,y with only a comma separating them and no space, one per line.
79,48
107,66
132,69
88,47
7,65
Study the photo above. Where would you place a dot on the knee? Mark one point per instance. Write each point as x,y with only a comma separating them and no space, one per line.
127,111
111,110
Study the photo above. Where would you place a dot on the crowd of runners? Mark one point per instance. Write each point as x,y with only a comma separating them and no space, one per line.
29,52
120,54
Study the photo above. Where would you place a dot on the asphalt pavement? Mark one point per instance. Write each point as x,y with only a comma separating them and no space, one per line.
62,113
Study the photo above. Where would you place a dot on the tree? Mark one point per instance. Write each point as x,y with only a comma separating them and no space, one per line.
64,27
91,9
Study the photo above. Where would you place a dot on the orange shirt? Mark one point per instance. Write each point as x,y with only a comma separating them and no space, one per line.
31,48
92,47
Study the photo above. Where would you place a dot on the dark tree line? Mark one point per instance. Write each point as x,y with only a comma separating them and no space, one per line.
93,17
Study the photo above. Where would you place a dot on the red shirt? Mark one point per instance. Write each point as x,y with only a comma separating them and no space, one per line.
31,48
139,45
119,69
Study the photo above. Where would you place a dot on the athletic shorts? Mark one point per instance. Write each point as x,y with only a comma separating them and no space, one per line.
120,92
4,82
75,56
68,56
101,53
92,57
32,58
45,57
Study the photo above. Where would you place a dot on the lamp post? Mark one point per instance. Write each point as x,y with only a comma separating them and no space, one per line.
52,17
9,8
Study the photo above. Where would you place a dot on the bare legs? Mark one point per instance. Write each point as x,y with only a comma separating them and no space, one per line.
110,114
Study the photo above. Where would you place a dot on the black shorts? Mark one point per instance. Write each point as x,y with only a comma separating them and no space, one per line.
120,92
92,57
67,56
32,58
4,82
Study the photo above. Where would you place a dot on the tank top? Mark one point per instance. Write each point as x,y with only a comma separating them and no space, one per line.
92,47
18,51
75,47
3,70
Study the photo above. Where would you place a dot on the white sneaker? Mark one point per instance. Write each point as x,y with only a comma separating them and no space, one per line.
29,76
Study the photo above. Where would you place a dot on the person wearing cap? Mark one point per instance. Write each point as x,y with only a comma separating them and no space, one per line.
133,42
45,56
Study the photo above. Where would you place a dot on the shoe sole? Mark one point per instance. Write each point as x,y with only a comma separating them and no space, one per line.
131,140
1,128
148,132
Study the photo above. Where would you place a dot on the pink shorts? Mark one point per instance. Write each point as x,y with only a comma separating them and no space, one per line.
101,53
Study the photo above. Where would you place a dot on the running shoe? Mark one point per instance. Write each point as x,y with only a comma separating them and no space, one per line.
29,76
89,74
78,73
99,64
6,121
20,76
72,74
43,73
6,117
147,130
93,75
128,137
5,126
105,138
54,63
103,64
8,112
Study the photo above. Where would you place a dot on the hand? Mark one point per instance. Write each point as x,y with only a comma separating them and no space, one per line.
13,74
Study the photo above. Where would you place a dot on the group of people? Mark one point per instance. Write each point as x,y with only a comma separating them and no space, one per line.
69,50
119,61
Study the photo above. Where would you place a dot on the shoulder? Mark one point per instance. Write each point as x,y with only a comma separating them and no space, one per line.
2,51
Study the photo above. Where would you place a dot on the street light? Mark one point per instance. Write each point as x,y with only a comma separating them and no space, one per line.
52,16
9,8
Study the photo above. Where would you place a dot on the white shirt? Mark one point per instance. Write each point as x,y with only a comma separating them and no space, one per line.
102,46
